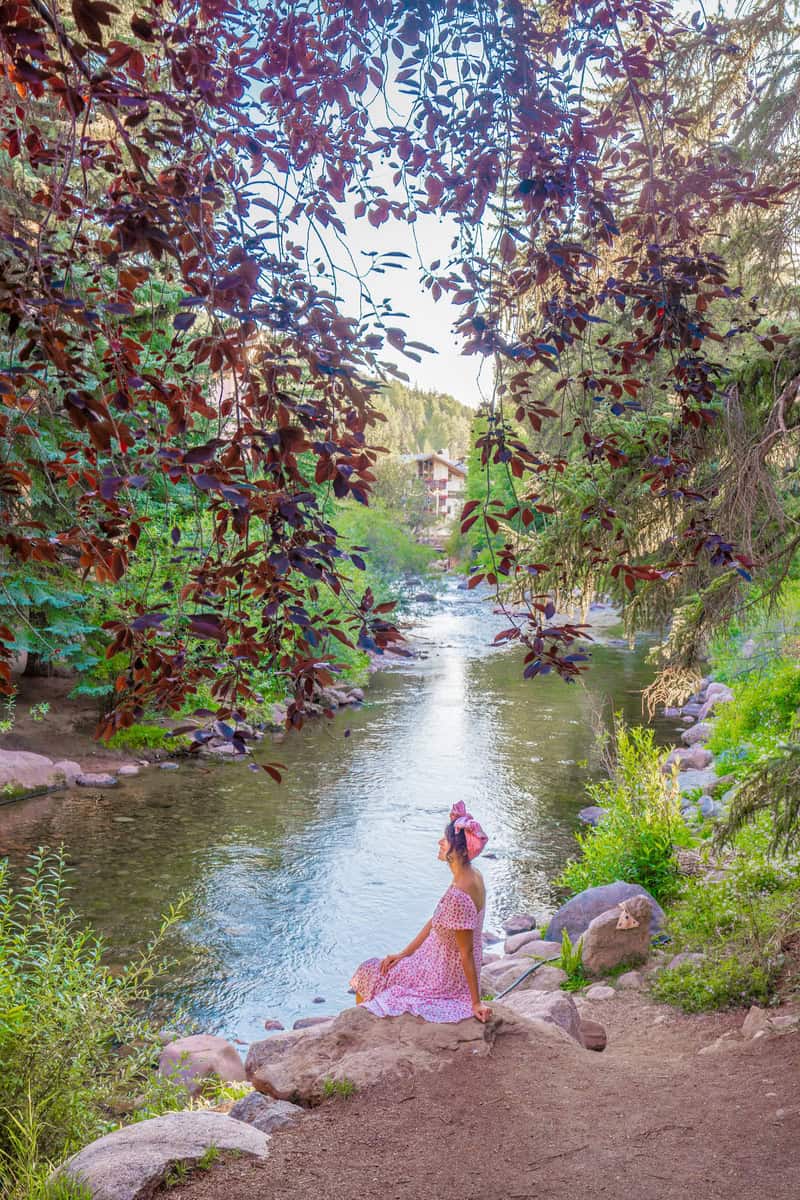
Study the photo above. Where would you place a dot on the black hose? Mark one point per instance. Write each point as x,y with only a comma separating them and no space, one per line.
544,962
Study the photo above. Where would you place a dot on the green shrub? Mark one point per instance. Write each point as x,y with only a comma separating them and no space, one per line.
74,1042
142,737
728,982
571,961
763,709
635,840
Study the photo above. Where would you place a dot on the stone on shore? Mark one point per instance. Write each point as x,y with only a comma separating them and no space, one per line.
310,1022
605,945
536,948
557,1008
127,770
600,991
520,923
131,1163
697,733
264,1112
22,771
576,915
631,981
592,1034
190,1060
692,778
96,779
592,815
365,1050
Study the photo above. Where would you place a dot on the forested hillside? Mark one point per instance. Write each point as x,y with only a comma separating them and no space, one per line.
418,420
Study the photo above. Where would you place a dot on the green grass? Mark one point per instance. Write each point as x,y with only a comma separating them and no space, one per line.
343,1088
143,737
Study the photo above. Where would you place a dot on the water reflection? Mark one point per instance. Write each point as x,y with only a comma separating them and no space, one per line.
291,886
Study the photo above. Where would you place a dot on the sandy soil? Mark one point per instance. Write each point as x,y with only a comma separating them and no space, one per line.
649,1118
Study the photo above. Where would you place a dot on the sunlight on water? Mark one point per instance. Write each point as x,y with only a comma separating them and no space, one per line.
291,886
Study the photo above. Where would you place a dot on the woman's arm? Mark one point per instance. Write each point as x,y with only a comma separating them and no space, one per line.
466,947
391,959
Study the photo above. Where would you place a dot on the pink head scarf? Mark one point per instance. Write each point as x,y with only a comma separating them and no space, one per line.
476,838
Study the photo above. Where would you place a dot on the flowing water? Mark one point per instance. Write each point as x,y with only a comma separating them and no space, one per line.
291,886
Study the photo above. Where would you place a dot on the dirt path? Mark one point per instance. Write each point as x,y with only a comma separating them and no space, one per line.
649,1118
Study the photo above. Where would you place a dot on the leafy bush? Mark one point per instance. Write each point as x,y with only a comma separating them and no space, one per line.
764,708
390,550
635,840
142,737
739,923
74,1041
571,961
728,982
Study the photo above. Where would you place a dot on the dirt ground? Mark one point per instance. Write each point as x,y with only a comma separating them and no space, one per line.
68,729
648,1118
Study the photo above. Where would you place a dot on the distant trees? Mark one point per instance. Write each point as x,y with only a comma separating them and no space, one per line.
418,420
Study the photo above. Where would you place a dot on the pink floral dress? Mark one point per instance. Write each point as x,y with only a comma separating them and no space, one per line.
431,982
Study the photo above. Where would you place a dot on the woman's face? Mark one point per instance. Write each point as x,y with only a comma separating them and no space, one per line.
444,848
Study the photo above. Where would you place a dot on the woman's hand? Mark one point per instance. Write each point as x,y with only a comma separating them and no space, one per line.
481,1012
388,962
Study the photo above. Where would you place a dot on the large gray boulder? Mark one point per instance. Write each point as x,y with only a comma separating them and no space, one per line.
691,779
576,915
264,1112
130,1163
698,733
605,945
190,1060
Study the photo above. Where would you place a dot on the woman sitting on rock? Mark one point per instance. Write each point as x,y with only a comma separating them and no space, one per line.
437,975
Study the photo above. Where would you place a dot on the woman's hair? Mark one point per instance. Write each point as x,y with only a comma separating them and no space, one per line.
457,841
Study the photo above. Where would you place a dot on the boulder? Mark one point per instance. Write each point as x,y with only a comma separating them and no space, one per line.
520,923
697,733
310,1022
713,702
605,946
537,949
592,1034
592,814
518,940
630,981
21,771
130,1163
577,913
680,960
96,779
692,758
190,1060
692,709
127,770
360,1048
557,1008
691,779
271,1025
756,1021
600,991
264,1112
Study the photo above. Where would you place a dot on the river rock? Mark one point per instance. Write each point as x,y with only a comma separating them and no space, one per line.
264,1112
759,1022
692,709
517,940
271,1025
605,946
713,702
577,913
683,959
708,806
21,771
691,779
557,1008
130,1163
600,991
537,948
631,981
698,733
310,1022
692,758
425,597
520,923
366,1050
168,766
127,770
592,1034
490,938
190,1060
592,815
95,779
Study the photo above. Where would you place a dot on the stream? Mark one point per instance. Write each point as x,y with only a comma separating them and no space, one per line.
290,886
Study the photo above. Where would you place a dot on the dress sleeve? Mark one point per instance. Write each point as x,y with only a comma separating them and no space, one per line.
455,910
